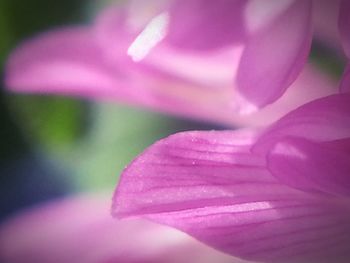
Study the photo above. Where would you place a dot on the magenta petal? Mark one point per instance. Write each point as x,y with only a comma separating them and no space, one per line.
274,56
311,166
325,119
345,81
202,25
65,61
344,25
211,186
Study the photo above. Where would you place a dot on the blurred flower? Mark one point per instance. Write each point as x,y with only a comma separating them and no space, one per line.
275,195
344,27
325,23
81,230
202,59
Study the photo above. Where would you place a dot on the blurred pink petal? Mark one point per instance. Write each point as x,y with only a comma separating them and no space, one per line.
344,29
81,230
202,25
344,25
219,187
69,62
325,23
322,120
345,81
274,55
133,53
64,61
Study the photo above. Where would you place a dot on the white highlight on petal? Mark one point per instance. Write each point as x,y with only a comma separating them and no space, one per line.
153,33
290,150
259,13
243,106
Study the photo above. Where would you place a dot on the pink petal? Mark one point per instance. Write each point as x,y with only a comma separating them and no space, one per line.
65,61
345,81
202,25
325,23
274,56
211,186
71,62
344,25
93,63
325,119
311,166
81,230
310,85
211,74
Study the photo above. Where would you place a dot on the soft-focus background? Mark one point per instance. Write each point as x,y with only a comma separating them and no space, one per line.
53,146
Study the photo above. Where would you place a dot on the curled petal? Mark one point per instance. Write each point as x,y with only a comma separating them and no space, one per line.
274,56
325,119
311,166
211,186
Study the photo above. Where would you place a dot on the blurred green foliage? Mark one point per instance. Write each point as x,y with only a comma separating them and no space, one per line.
116,136
53,123
21,19
41,119
327,59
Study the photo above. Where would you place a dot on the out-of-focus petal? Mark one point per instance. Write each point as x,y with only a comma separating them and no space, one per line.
202,25
311,166
202,85
310,85
344,25
65,61
82,230
345,81
325,22
211,186
68,62
325,119
94,63
274,55
71,62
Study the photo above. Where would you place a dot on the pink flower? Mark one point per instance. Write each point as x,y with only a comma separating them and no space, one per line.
202,59
80,229
275,195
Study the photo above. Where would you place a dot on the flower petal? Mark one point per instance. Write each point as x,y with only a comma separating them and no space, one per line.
325,119
93,63
71,62
311,166
274,56
344,25
81,229
202,25
211,186
65,61
325,23
345,81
